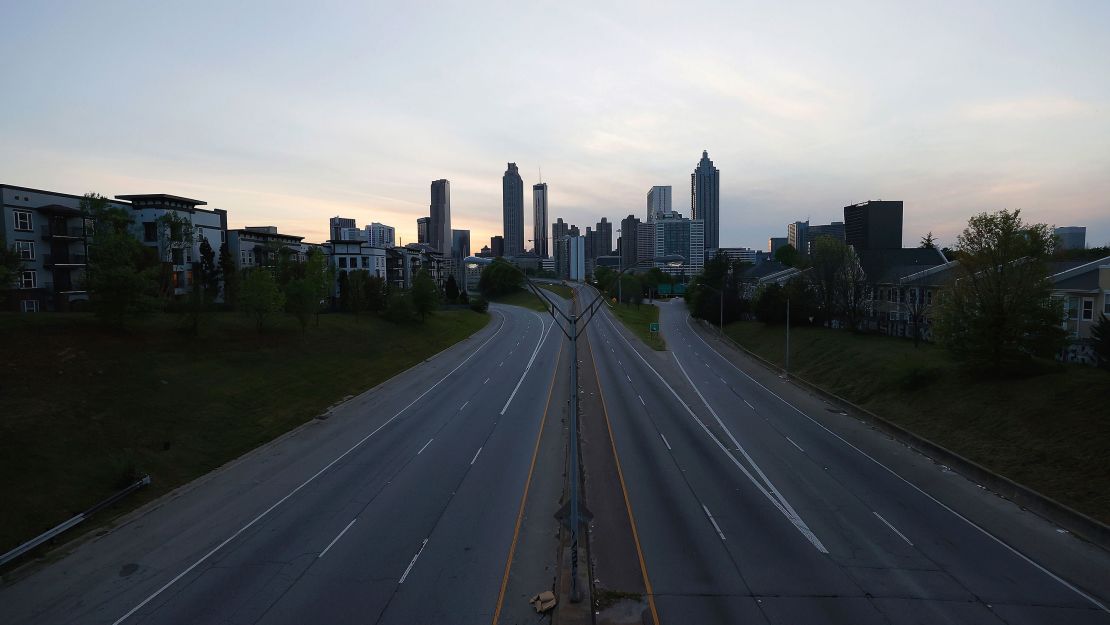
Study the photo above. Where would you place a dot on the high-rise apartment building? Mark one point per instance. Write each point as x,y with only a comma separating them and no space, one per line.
705,199
570,257
460,249
439,227
685,237
774,243
539,219
1071,237
797,235
874,225
422,226
336,225
380,235
591,240
658,202
497,246
512,203
629,228
645,242
559,229
603,238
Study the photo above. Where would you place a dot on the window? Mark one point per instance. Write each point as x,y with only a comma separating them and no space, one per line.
23,221
150,231
1088,308
1073,307
177,256
28,280
29,305
928,298
365,262
26,249
342,262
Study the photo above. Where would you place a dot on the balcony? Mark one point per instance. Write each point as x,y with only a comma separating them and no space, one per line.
62,262
56,231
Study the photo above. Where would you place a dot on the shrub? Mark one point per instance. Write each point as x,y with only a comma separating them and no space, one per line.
479,304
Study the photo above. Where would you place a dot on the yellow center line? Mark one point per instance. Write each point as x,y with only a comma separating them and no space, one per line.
627,502
524,496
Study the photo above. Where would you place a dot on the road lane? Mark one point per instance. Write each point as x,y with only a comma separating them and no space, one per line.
370,509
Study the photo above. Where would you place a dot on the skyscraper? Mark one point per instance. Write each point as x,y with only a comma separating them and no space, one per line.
629,227
460,249
1071,237
439,227
604,238
559,229
380,235
705,199
874,225
539,219
337,225
590,241
512,201
658,202
422,225
685,237
497,246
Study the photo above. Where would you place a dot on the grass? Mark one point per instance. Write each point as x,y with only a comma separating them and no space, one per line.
638,319
85,408
1047,431
561,290
527,299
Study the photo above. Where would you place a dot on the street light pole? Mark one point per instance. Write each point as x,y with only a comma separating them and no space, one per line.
786,369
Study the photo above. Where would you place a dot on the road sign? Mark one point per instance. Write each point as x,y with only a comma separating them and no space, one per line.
654,327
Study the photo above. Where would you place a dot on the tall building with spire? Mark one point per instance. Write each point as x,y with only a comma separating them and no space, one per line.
512,201
539,219
705,199
439,226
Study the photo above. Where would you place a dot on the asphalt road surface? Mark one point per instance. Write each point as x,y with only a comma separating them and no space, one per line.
399,508
750,511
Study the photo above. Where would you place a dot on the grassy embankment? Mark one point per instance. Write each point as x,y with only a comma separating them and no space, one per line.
83,406
638,319
1047,431
527,299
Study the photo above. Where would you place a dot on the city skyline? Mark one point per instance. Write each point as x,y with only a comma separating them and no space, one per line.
953,123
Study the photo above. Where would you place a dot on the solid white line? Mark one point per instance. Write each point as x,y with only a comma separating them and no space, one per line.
501,363
528,367
749,404
336,539
892,528
794,519
714,522
306,482
641,400
425,446
998,540
665,441
629,379
464,404
475,455
795,444
409,567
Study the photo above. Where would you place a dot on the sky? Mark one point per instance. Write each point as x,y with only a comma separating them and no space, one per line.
289,113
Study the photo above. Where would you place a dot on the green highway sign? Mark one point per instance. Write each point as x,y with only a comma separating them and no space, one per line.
654,327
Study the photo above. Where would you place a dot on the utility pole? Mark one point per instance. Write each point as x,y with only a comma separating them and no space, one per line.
786,368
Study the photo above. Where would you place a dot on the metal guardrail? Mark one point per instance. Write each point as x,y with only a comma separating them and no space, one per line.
77,520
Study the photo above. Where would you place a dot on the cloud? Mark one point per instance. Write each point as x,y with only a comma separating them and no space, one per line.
1026,109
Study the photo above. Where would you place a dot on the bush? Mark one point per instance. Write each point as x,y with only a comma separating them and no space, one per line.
479,304
918,377
399,308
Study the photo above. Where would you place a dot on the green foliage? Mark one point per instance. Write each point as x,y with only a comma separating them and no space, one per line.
229,275
357,291
122,279
499,278
769,305
11,265
260,296
828,259
788,256
928,241
451,290
604,278
998,314
301,300
1100,333
320,275
209,272
479,304
424,294
399,308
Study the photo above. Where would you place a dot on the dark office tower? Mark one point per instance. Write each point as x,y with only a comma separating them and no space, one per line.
539,219
497,246
512,201
874,225
604,236
422,225
629,226
574,231
338,224
591,243
559,229
705,199
439,226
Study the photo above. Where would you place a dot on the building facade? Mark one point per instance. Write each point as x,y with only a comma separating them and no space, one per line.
512,213
705,199
570,257
439,224
497,246
460,249
381,235
874,225
603,238
262,246
685,237
658,202
337,224
422,227
774,243
559,229
1071,237
539,220
629,228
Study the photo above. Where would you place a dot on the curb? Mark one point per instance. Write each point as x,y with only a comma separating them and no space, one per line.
1090,529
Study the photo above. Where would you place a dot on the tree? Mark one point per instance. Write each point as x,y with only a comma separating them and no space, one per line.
788,255
852,294
209,274
424,293
399,307
1101,335
375,294
11,267
358,290
301,300
260,296
998,312
829,258
498,278
451,289
122,280
605,279
928,241
229,275
320,276
175,235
